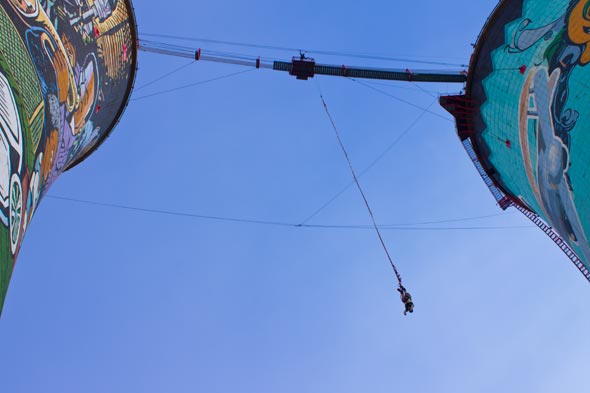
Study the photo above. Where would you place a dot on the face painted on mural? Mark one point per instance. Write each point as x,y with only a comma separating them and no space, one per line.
66,67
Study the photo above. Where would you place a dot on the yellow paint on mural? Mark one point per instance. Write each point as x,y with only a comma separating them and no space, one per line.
578,28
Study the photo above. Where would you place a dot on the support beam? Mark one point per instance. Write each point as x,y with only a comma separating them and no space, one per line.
304,68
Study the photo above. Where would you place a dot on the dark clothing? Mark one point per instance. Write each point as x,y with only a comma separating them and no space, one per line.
406,299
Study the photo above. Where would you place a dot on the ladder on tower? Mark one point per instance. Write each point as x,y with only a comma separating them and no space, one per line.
571,254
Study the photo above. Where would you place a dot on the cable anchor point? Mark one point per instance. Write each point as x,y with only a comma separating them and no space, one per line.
302,67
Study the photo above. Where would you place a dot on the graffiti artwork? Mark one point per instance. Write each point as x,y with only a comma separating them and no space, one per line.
66,72
529,84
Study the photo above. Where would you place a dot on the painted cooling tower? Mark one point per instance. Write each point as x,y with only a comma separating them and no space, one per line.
66,72
526,112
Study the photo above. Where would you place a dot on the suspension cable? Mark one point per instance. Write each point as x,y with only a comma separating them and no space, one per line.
418,226
405,59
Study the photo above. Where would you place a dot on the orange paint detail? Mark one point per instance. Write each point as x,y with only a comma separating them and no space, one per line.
578,28
49,156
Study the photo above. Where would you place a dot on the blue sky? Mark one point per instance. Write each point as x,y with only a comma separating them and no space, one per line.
107,300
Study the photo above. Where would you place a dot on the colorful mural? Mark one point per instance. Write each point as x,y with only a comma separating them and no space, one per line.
529,87
66,72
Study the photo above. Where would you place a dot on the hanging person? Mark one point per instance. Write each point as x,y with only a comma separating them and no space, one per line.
406,299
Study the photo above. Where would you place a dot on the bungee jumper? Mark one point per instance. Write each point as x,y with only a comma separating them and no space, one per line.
406,299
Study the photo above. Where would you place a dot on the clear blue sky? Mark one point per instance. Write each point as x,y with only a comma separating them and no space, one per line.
106,300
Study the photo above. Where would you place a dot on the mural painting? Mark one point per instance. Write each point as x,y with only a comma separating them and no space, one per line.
66,72
533,67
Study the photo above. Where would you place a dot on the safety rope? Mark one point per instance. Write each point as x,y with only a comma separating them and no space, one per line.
358,184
